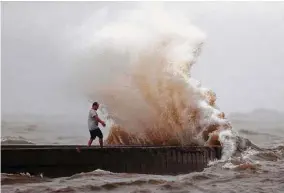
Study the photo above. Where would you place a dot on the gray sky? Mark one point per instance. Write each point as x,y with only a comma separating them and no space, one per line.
242,59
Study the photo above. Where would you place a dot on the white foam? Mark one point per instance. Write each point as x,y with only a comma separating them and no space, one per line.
228,140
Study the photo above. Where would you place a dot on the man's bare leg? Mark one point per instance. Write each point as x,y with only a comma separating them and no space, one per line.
101,142
90,142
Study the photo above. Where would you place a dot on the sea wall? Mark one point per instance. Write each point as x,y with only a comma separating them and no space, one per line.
56,161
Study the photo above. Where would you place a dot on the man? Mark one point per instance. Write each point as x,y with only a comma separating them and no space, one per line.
93,122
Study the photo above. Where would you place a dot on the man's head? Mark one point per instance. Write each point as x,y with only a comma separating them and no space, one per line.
95,105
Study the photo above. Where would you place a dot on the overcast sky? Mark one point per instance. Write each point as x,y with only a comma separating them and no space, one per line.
242,59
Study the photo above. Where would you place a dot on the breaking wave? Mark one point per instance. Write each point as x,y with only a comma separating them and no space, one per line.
139,68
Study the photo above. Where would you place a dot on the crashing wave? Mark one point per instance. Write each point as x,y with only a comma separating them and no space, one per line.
144,60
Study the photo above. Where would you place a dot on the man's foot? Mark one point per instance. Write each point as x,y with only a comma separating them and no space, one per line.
78,149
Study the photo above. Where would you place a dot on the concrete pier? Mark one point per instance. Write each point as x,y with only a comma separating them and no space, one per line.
59,160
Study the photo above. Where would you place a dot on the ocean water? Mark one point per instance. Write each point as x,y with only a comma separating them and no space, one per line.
246,171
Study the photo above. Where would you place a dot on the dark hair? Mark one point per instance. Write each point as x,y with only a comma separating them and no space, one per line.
95,104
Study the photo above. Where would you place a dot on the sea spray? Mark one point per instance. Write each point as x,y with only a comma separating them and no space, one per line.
139,67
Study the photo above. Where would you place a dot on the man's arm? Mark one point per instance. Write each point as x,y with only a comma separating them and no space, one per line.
99,120
96,117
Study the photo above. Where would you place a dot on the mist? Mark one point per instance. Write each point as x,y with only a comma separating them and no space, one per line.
241,60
